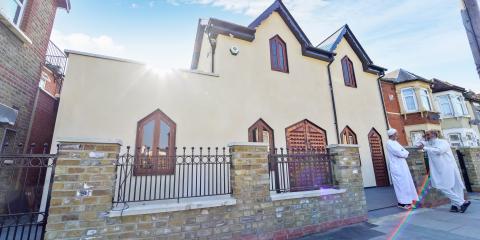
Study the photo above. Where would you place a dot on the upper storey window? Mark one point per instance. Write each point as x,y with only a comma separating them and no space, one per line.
425,96
278,54
409,100
348,72
13,10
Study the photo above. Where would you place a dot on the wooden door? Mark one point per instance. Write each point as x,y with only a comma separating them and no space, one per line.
302,137
378,159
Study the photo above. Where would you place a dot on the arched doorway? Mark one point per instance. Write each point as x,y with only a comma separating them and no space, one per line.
302,137
305,135
378,159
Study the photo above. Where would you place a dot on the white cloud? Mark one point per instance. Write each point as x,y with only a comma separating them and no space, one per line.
102,44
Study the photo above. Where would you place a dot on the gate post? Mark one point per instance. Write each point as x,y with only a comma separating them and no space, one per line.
347,174
471,157
83,187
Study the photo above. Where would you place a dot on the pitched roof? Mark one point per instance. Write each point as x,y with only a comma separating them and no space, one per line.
331,43
401,75
441,86
216,26
64,4
472,96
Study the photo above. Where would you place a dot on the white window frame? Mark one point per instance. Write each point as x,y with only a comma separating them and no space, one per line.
450,105
43,80
426,105
405,102
458,143
22,6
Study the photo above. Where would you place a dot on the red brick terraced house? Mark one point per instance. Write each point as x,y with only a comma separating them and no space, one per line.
31,72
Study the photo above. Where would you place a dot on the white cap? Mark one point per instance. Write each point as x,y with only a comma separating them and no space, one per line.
391,131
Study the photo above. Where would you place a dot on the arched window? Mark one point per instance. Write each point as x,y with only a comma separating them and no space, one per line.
278,54
348,136
348,72
155,145
261,132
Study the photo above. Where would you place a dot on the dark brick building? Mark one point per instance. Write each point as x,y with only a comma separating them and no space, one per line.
25,28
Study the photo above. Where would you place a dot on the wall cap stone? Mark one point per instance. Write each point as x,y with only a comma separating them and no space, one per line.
164,206
343,145
89,140
307,194
254,144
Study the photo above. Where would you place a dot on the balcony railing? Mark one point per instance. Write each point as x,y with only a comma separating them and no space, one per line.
56,59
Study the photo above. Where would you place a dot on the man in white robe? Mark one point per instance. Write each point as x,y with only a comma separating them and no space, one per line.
402,179
444,173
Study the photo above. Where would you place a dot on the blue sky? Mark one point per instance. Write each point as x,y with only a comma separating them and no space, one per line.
423,36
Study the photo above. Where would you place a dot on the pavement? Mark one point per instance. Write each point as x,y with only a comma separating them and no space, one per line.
430,224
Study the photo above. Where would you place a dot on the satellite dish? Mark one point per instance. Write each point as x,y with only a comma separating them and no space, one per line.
234,50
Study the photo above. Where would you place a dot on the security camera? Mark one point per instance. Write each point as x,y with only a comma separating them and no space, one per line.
234,50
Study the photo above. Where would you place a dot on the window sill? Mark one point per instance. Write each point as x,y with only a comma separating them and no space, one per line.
15,30
163,206
307,194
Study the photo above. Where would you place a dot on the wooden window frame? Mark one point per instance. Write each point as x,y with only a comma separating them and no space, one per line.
347,131
157,116
348,73
277,40
261,125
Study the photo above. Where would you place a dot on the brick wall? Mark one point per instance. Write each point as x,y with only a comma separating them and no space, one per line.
43,121
255,214
429,197
420,118
392,107
471,158
20,64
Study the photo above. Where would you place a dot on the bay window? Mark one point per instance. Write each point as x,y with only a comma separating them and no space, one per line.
459,105
425,96
409,100
445,105
13,10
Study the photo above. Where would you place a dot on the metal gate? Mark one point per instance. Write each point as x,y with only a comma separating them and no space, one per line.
463,168
25,187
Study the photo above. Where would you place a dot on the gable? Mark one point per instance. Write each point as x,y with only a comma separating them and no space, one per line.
332,42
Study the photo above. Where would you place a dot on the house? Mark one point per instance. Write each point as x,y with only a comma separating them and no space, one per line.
473,105
409,105
25,27
266,82
456,116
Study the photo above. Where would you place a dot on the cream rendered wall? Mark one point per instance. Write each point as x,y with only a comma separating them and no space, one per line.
105,98
205,59
360,108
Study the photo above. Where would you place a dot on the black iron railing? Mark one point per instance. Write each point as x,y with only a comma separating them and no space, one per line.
293,170
56,59
23,187
180,174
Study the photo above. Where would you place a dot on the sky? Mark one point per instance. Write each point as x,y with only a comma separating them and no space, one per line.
425,37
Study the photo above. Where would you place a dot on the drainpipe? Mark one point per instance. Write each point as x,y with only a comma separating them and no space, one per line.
212,38
382,99
333,102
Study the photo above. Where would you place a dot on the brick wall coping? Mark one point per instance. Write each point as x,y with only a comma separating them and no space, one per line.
172,205
343,145
15,30
255,144
89,140
307,194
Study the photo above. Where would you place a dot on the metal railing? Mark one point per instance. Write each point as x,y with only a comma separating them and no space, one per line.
56,58
22,188
190,173
295,170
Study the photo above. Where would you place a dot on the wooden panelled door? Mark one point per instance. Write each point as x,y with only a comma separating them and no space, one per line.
378,159
306,135
303,136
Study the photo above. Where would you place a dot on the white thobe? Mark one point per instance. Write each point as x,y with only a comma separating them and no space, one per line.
444,173
402,179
